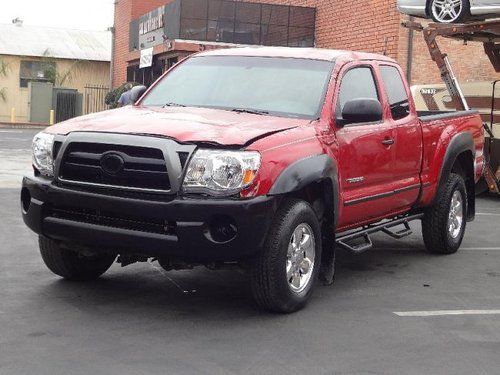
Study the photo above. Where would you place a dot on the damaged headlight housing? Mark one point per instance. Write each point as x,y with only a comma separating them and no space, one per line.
43,160
220,172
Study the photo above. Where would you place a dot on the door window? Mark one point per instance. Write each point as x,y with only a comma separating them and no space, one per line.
396,92
357,83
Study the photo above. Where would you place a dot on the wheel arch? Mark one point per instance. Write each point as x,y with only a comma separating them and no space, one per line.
309,178
459,159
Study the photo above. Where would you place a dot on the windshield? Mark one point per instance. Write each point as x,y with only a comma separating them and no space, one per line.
286,87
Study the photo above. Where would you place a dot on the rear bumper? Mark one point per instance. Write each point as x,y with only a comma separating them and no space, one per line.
182,227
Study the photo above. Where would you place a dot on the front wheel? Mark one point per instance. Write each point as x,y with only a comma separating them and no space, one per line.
72,265
284,273
449,11
443,225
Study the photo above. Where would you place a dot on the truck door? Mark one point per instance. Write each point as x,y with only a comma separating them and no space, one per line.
366,153
407,146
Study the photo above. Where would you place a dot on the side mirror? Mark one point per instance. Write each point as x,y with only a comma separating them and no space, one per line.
361,110
136,92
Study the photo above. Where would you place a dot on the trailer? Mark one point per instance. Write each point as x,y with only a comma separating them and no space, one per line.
488,33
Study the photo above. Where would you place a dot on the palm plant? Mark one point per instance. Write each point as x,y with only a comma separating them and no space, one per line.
4,71
57,77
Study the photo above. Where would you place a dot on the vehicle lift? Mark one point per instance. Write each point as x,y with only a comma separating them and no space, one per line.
487,32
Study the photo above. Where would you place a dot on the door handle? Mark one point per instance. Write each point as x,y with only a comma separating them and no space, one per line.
388,142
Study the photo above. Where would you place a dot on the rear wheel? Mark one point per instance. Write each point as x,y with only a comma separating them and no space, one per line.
449,11
443,225
72,265
284,273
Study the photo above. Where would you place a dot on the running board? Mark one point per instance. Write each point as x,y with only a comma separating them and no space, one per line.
364,234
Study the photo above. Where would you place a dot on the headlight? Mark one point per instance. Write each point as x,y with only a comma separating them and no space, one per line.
43,160
221,172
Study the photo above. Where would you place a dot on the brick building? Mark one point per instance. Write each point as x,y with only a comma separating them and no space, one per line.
175,28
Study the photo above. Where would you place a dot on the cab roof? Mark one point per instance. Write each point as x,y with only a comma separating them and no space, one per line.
299,53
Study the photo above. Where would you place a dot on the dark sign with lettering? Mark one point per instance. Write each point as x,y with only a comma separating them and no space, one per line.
155,27
152,28
152,24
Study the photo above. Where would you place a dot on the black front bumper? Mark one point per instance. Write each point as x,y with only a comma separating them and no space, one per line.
184,228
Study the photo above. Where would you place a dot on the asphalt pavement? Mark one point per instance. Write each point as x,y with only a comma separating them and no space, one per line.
387,313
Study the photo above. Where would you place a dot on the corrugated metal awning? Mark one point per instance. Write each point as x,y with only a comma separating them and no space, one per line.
54,42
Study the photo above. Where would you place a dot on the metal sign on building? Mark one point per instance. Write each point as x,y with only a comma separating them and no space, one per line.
152,28
152,24
146,58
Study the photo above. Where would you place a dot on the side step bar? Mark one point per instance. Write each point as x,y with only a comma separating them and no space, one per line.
364,233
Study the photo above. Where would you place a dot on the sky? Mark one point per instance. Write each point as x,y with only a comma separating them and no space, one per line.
73,14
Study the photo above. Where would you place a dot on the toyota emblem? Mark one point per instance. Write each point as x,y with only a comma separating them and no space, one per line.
112,163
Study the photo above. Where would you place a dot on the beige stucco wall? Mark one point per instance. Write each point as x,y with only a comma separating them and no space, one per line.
83,73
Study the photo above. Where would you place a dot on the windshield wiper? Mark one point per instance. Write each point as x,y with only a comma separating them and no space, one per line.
171,104
252,111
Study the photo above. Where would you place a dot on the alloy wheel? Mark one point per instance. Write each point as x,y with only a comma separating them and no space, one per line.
446,11
300,258
456,215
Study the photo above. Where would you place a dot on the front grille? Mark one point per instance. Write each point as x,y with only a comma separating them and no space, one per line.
113,220
140,168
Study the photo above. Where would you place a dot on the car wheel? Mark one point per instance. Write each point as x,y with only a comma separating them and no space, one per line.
72,265
449,11
284,273
443,225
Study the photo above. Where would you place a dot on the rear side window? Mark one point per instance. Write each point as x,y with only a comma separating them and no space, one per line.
396,92
357,83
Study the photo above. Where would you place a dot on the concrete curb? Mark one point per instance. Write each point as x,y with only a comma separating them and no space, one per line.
22,126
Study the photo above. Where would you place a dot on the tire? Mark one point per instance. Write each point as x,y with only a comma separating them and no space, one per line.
271,288
72,265
442,235
458,11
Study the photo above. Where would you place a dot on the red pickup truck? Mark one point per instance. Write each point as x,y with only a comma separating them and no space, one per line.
267,158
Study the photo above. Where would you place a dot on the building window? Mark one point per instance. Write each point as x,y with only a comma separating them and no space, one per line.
302,17
36,71
194,9
274,35
220,31
221,10
247,33
193,29
146,76
247,23
300,37
248,12
275,14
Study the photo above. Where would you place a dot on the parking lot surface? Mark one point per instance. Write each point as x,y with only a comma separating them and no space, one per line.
392,310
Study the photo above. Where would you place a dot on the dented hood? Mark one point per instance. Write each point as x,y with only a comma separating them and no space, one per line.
185,124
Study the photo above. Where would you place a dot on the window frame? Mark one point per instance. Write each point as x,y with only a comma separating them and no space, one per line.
337,117
33,79
386,91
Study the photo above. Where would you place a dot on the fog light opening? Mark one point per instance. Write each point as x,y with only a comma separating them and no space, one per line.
222,229
25,200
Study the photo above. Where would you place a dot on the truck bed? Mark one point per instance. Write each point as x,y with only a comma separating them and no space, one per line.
426,116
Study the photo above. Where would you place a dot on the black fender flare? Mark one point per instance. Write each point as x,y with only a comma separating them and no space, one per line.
306,171
459,143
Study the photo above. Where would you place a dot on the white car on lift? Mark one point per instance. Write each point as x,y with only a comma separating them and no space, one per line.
450,11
